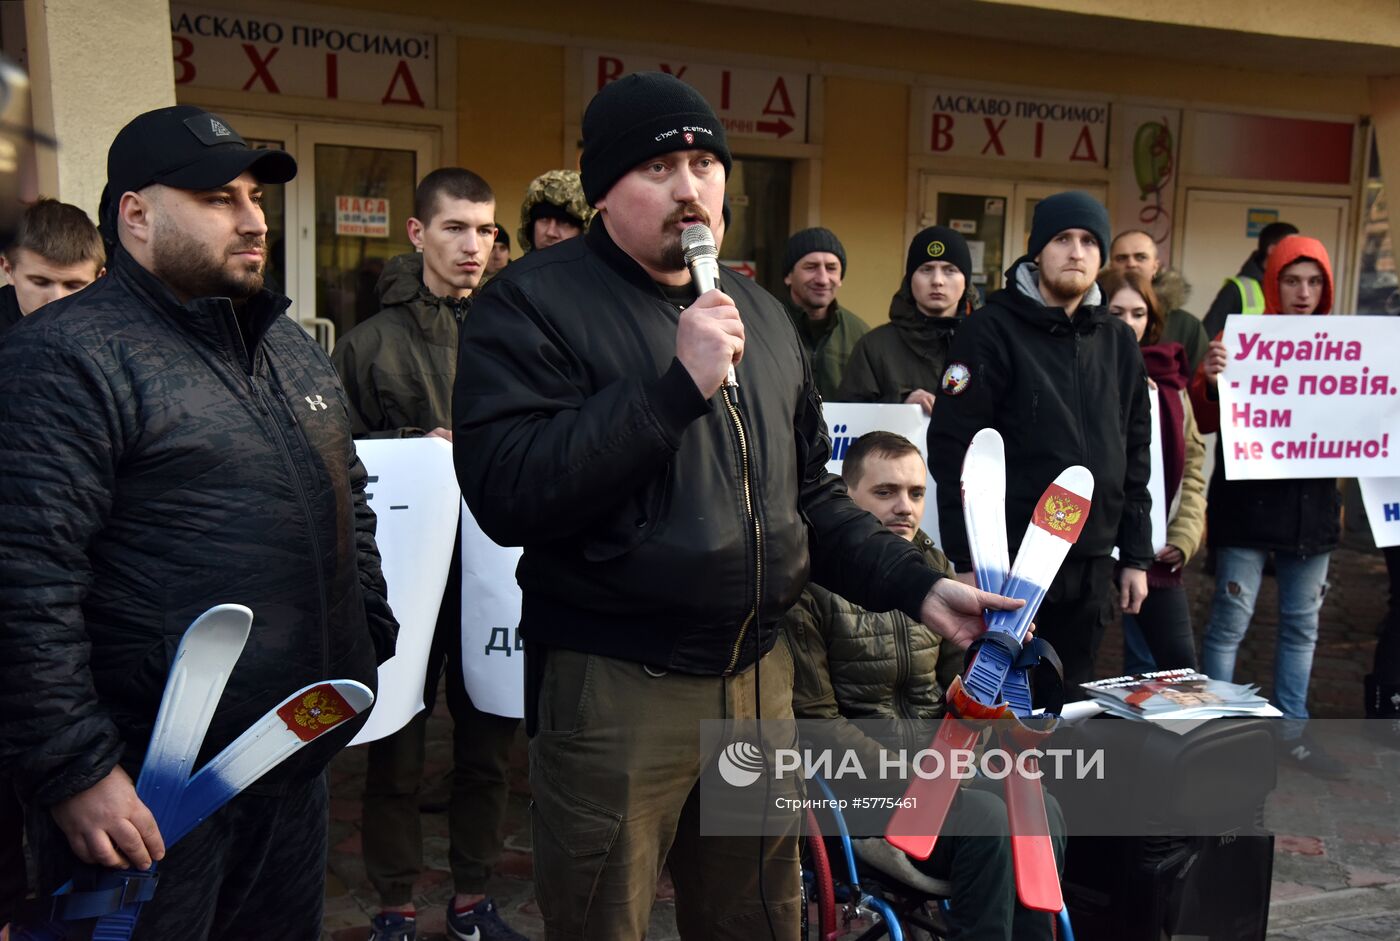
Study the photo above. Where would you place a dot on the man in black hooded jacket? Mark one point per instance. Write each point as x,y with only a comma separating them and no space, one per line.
170,440
902,361
1065,384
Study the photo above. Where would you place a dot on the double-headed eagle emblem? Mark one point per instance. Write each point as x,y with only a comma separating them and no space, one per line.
1061,513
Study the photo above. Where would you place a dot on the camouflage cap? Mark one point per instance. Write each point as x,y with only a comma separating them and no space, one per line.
561,188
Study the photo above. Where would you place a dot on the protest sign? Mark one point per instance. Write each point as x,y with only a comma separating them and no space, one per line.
1381,496
493,653
1311,397
1157,482
847,421
413,492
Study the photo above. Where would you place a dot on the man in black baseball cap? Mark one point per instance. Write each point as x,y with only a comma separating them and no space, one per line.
169,440
668,521
187,148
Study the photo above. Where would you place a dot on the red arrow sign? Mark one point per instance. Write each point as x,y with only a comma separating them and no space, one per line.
779,127
746,268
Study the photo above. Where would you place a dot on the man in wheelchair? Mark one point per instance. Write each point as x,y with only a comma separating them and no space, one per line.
850,663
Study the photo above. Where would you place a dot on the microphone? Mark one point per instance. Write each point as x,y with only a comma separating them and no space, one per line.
702,258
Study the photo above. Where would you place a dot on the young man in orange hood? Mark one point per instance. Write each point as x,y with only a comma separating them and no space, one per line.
1297,520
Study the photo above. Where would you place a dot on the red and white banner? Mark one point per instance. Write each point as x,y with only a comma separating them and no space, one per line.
1311,397
1000,126
751,103
270,54
366,216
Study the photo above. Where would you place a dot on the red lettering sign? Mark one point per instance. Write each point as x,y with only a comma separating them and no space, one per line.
404,75
780,95
183,50
994,136
1084,147
942,133
260,70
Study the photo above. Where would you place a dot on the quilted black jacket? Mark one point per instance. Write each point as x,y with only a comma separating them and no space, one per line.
157,459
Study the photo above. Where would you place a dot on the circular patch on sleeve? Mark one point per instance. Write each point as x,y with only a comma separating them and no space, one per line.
955,379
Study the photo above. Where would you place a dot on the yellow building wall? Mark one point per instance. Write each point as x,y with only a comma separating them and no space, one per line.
863,188
510,100
512,85
1370,21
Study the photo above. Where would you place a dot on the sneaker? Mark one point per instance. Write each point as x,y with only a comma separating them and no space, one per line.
1309,756
480,923
393,926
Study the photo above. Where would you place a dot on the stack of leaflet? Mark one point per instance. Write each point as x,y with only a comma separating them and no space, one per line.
1182,699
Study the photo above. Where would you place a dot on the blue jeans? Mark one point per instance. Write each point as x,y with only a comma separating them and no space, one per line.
1137,656
1302,582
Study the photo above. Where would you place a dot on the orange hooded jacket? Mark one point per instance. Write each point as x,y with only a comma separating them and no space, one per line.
1204,400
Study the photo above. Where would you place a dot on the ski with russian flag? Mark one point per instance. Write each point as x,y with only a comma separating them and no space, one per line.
984,513
297,721
995,685
179,802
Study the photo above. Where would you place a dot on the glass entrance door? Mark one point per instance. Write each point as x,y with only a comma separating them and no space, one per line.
333,227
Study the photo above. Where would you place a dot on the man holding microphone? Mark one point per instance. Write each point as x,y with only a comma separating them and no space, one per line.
668,519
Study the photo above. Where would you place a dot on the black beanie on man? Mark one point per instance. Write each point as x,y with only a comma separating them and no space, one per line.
640,116
1070,210
802,244
939,243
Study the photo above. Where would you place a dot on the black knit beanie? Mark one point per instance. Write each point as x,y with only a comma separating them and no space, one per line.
807,241
640,116
939,243
1070,210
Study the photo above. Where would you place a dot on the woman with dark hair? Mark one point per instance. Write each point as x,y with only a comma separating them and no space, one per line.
1160,635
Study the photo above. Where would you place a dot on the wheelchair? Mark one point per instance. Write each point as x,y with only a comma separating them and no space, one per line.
879,879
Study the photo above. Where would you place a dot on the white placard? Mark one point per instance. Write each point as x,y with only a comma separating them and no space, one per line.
1304,397
1381,496
413,492
847,421
493,654
1156,482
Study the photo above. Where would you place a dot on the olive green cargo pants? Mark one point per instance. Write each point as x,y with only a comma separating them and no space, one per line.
614,769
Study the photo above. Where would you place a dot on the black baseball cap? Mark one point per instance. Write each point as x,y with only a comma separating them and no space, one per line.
187,148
